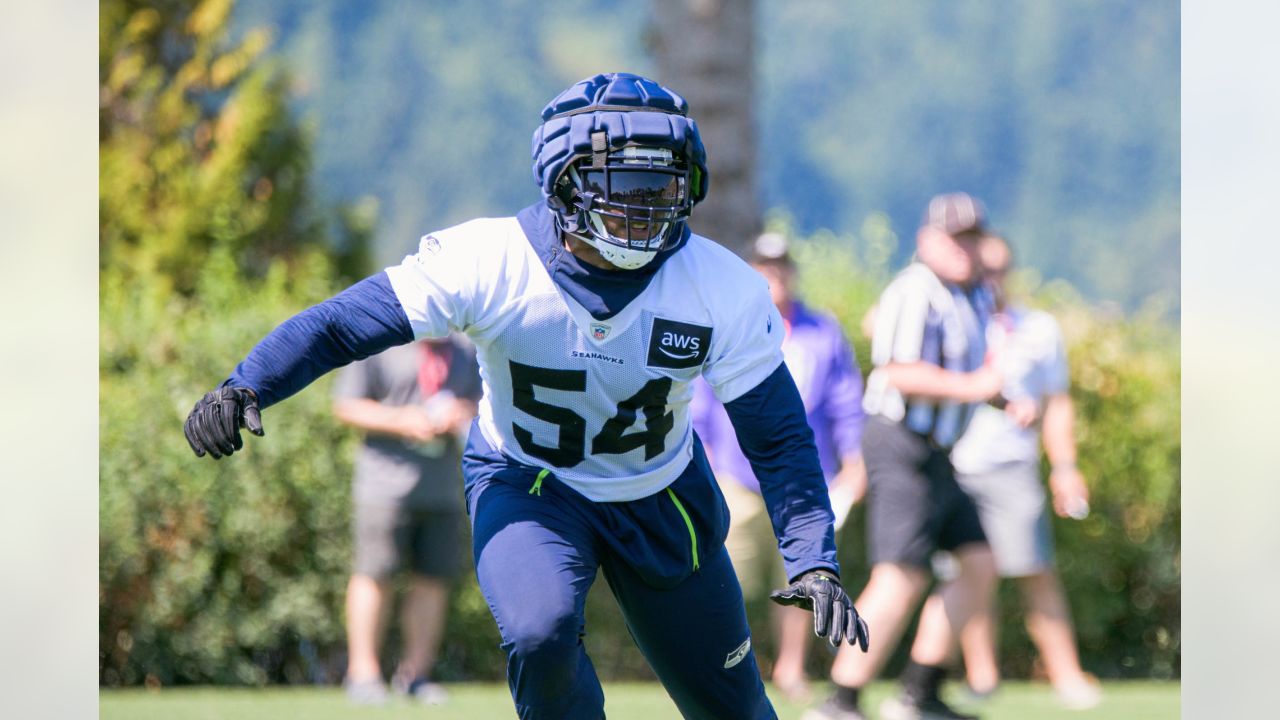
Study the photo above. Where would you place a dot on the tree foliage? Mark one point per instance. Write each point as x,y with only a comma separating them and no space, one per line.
1063,117
207,240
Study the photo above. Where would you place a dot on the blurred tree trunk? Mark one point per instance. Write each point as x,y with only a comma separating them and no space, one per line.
705,50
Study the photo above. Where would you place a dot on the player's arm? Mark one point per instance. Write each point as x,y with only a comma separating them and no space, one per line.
922,379
427,295
1058,433
775,436
898,341
1070,493
363,320
405,422
747,374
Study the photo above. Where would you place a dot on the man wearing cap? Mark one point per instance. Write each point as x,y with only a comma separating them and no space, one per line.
928,350
830,384
998,465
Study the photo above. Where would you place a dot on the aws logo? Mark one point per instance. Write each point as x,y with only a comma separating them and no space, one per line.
675,344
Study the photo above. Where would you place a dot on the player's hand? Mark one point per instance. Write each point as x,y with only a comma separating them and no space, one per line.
1022,411
214,424
847,489
415,424
1070,494
986,382
834,616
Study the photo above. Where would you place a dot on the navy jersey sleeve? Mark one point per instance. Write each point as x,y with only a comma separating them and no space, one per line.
770,424
362,320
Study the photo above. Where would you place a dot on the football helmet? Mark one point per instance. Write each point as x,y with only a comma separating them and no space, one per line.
620,165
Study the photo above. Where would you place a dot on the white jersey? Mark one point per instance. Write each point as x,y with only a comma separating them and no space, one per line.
1033,360
603,404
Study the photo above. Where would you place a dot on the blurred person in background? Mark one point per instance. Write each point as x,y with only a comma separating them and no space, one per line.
998,464
928,349
414,404
822,363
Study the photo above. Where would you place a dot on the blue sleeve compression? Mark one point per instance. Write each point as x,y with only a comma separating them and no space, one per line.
362,320
769,421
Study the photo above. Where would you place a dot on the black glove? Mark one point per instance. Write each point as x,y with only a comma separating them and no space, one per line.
834,616
214,423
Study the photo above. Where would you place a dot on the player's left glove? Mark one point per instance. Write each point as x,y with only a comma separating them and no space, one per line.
214,424
834,616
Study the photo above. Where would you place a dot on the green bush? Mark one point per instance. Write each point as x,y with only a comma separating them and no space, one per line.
1121,566
205,566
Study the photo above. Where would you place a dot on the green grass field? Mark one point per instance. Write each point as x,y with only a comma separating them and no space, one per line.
635,701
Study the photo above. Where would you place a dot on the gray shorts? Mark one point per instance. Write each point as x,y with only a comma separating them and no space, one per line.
1011,502
390,538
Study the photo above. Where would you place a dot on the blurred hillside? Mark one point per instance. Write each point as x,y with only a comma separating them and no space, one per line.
1063,117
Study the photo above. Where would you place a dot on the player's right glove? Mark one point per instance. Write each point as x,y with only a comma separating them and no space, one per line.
834,616
214,424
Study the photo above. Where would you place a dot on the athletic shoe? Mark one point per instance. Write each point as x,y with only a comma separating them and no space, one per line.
796,693
977,697
365,692
1084,694
423,691
905,708
831,710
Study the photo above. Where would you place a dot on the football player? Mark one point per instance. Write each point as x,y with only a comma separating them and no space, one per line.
592,311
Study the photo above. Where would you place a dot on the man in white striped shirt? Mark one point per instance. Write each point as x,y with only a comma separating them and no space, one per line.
928,349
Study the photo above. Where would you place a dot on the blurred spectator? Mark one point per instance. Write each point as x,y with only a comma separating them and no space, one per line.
414,402
998,465
928,350
821,361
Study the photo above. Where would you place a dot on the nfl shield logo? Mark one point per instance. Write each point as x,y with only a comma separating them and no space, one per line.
599,332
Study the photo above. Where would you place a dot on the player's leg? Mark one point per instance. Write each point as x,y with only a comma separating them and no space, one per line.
886,604
901,536
367,603
535,563
949,611
696,639
1049,624
1011,505
978,642
946,614
369,596
970,593
795,635
422,615
436,557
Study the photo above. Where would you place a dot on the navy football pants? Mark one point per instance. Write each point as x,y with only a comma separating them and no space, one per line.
536,556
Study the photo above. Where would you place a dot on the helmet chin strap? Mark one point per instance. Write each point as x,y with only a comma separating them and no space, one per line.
623,259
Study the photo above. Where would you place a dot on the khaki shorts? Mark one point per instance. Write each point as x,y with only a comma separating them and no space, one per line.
1013,506
752,546
389,538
